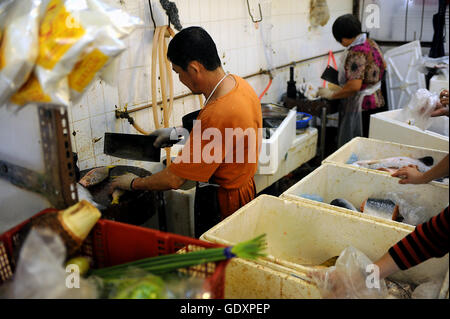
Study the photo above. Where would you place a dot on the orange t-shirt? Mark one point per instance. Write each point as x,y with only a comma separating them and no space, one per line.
223,147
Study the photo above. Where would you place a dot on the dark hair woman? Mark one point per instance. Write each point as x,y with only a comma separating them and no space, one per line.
360,74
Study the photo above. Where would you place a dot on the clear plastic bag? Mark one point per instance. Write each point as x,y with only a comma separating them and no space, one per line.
349,278
19,28
136,283
409,208
419,109
40,273
427,290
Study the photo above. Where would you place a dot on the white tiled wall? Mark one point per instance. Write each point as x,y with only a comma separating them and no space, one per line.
240,49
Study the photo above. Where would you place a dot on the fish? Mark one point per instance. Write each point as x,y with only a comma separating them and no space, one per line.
329,262
95,176
340,202
84,194
399,290
423,164
384,208
116,196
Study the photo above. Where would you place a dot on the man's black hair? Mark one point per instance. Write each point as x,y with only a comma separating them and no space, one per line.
346,26
193,44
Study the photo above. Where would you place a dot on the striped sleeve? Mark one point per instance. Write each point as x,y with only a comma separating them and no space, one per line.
428,240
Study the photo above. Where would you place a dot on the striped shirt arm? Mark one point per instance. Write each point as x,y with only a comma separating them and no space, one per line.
428,240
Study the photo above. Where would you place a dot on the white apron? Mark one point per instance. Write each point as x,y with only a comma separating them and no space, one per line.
351,123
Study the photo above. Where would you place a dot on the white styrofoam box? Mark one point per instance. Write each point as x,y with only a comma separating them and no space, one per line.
300,236
370,149
331,181
274,149
403,76
179,208
303,149
438,83
248,280
387,126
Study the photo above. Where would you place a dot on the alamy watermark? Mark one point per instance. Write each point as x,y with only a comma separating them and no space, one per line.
230,145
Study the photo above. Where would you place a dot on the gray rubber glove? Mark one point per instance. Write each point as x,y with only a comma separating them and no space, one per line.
165,137
123,182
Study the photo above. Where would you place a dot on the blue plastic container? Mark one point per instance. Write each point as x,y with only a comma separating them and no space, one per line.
303,123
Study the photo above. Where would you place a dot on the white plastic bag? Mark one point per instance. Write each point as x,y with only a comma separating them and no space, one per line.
419,109
350,278
19,29
40,273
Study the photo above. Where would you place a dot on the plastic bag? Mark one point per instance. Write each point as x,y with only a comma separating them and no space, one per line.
409,208
40,272
419,109
77,40
319,13
19,29
349,278
104,49
139,284
427,290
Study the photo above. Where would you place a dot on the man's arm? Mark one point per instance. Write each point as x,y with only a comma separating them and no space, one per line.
161,181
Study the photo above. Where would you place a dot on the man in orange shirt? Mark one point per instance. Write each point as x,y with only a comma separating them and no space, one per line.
222,150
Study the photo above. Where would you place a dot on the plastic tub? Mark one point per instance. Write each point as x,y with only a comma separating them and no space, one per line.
300,235
111,243
332,181
301,124
275,148
388,126
369,149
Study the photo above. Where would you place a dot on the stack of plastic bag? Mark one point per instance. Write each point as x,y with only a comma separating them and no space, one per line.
72,43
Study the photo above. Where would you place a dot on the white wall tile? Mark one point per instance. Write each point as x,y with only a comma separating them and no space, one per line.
83,139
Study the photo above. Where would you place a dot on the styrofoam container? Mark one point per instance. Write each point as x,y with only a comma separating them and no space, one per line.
300,236
275,148
388,126
303,149
370,149
331,181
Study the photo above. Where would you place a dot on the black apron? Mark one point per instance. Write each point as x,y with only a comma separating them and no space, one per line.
206,208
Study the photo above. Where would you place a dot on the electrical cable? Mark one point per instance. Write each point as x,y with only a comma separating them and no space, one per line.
151,13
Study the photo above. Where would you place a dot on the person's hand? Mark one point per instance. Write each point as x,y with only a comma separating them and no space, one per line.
442,106
325,93
165,136
444,98
409,175
122,182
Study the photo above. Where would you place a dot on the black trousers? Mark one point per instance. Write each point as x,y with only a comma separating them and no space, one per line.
206,209
366,118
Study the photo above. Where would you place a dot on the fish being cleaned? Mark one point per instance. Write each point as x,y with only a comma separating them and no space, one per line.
388,164
95,176
116,196
378,207
340,202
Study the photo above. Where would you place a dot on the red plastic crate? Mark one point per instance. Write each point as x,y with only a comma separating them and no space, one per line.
111,243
